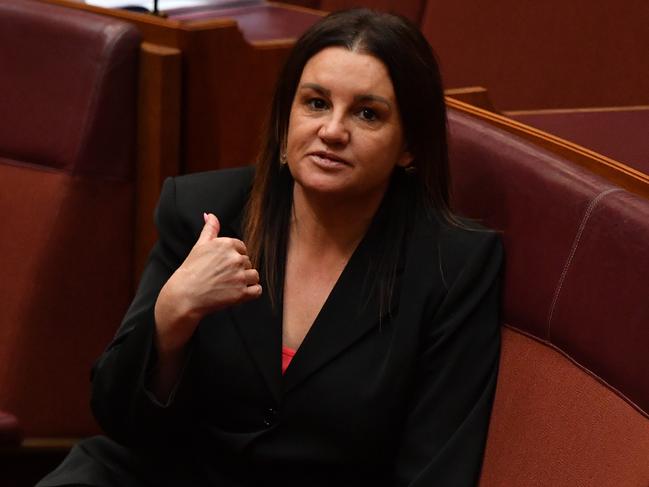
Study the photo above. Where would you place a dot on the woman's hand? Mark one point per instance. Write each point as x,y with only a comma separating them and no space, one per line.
216,274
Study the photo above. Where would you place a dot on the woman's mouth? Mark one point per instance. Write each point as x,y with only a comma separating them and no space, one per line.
328,160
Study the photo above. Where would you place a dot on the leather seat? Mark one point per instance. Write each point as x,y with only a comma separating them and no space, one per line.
68,88
572,401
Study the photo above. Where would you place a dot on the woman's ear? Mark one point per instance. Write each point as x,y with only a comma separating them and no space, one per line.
405,159
283,155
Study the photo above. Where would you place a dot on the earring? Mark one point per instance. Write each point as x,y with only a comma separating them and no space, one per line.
283,158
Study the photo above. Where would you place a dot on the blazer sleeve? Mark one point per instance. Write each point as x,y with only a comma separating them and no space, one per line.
449,411
120,401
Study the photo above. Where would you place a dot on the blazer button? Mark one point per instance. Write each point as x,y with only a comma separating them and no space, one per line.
270,418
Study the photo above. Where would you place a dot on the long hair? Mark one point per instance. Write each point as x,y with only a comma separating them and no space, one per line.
414,73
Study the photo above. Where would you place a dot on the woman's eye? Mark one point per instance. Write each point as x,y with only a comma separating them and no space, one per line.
368,114
316,104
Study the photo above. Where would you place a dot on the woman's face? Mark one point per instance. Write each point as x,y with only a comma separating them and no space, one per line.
345,135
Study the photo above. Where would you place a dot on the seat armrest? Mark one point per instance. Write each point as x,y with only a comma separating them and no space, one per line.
10,431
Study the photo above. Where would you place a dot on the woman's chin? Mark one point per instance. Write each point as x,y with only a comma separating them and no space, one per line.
340,194
322,182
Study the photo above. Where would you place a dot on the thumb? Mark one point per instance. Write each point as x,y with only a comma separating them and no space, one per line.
210,230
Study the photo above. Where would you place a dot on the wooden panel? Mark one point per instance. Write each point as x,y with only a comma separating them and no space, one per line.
227,93
411,9
473,95
616,132
550,54
159,105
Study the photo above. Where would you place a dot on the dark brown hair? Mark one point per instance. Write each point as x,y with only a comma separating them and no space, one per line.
414,73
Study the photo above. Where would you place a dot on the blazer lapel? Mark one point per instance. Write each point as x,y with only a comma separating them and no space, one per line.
260,329
350,311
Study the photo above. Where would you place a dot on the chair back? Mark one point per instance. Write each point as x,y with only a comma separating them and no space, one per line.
68,87
573,390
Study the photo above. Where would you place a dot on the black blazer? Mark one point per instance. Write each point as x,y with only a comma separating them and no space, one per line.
398,399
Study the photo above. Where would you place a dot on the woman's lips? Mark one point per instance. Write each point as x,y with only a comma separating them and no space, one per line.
327,160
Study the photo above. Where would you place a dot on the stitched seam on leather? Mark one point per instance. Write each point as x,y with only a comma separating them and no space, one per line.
571,255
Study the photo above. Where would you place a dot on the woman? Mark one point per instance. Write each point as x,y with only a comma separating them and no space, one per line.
353,338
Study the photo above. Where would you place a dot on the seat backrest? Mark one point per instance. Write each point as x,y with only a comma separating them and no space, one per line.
68,87
573,393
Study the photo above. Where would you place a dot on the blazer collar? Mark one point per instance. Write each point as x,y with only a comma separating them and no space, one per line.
350,311
260,329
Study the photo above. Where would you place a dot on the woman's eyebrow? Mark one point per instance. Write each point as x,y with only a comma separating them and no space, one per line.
358,98
316,87
376,98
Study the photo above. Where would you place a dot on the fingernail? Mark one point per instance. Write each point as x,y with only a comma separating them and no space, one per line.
205,217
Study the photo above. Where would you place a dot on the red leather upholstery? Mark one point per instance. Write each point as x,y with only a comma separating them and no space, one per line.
601,310
65,93
574,374
555,424
68,88
520,189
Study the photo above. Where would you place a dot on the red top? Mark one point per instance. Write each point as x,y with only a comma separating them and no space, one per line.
287,356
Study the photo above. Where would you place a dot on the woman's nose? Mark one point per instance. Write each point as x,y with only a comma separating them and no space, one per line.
334,131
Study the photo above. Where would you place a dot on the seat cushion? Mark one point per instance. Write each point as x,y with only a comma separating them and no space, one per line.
66,257
556,424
